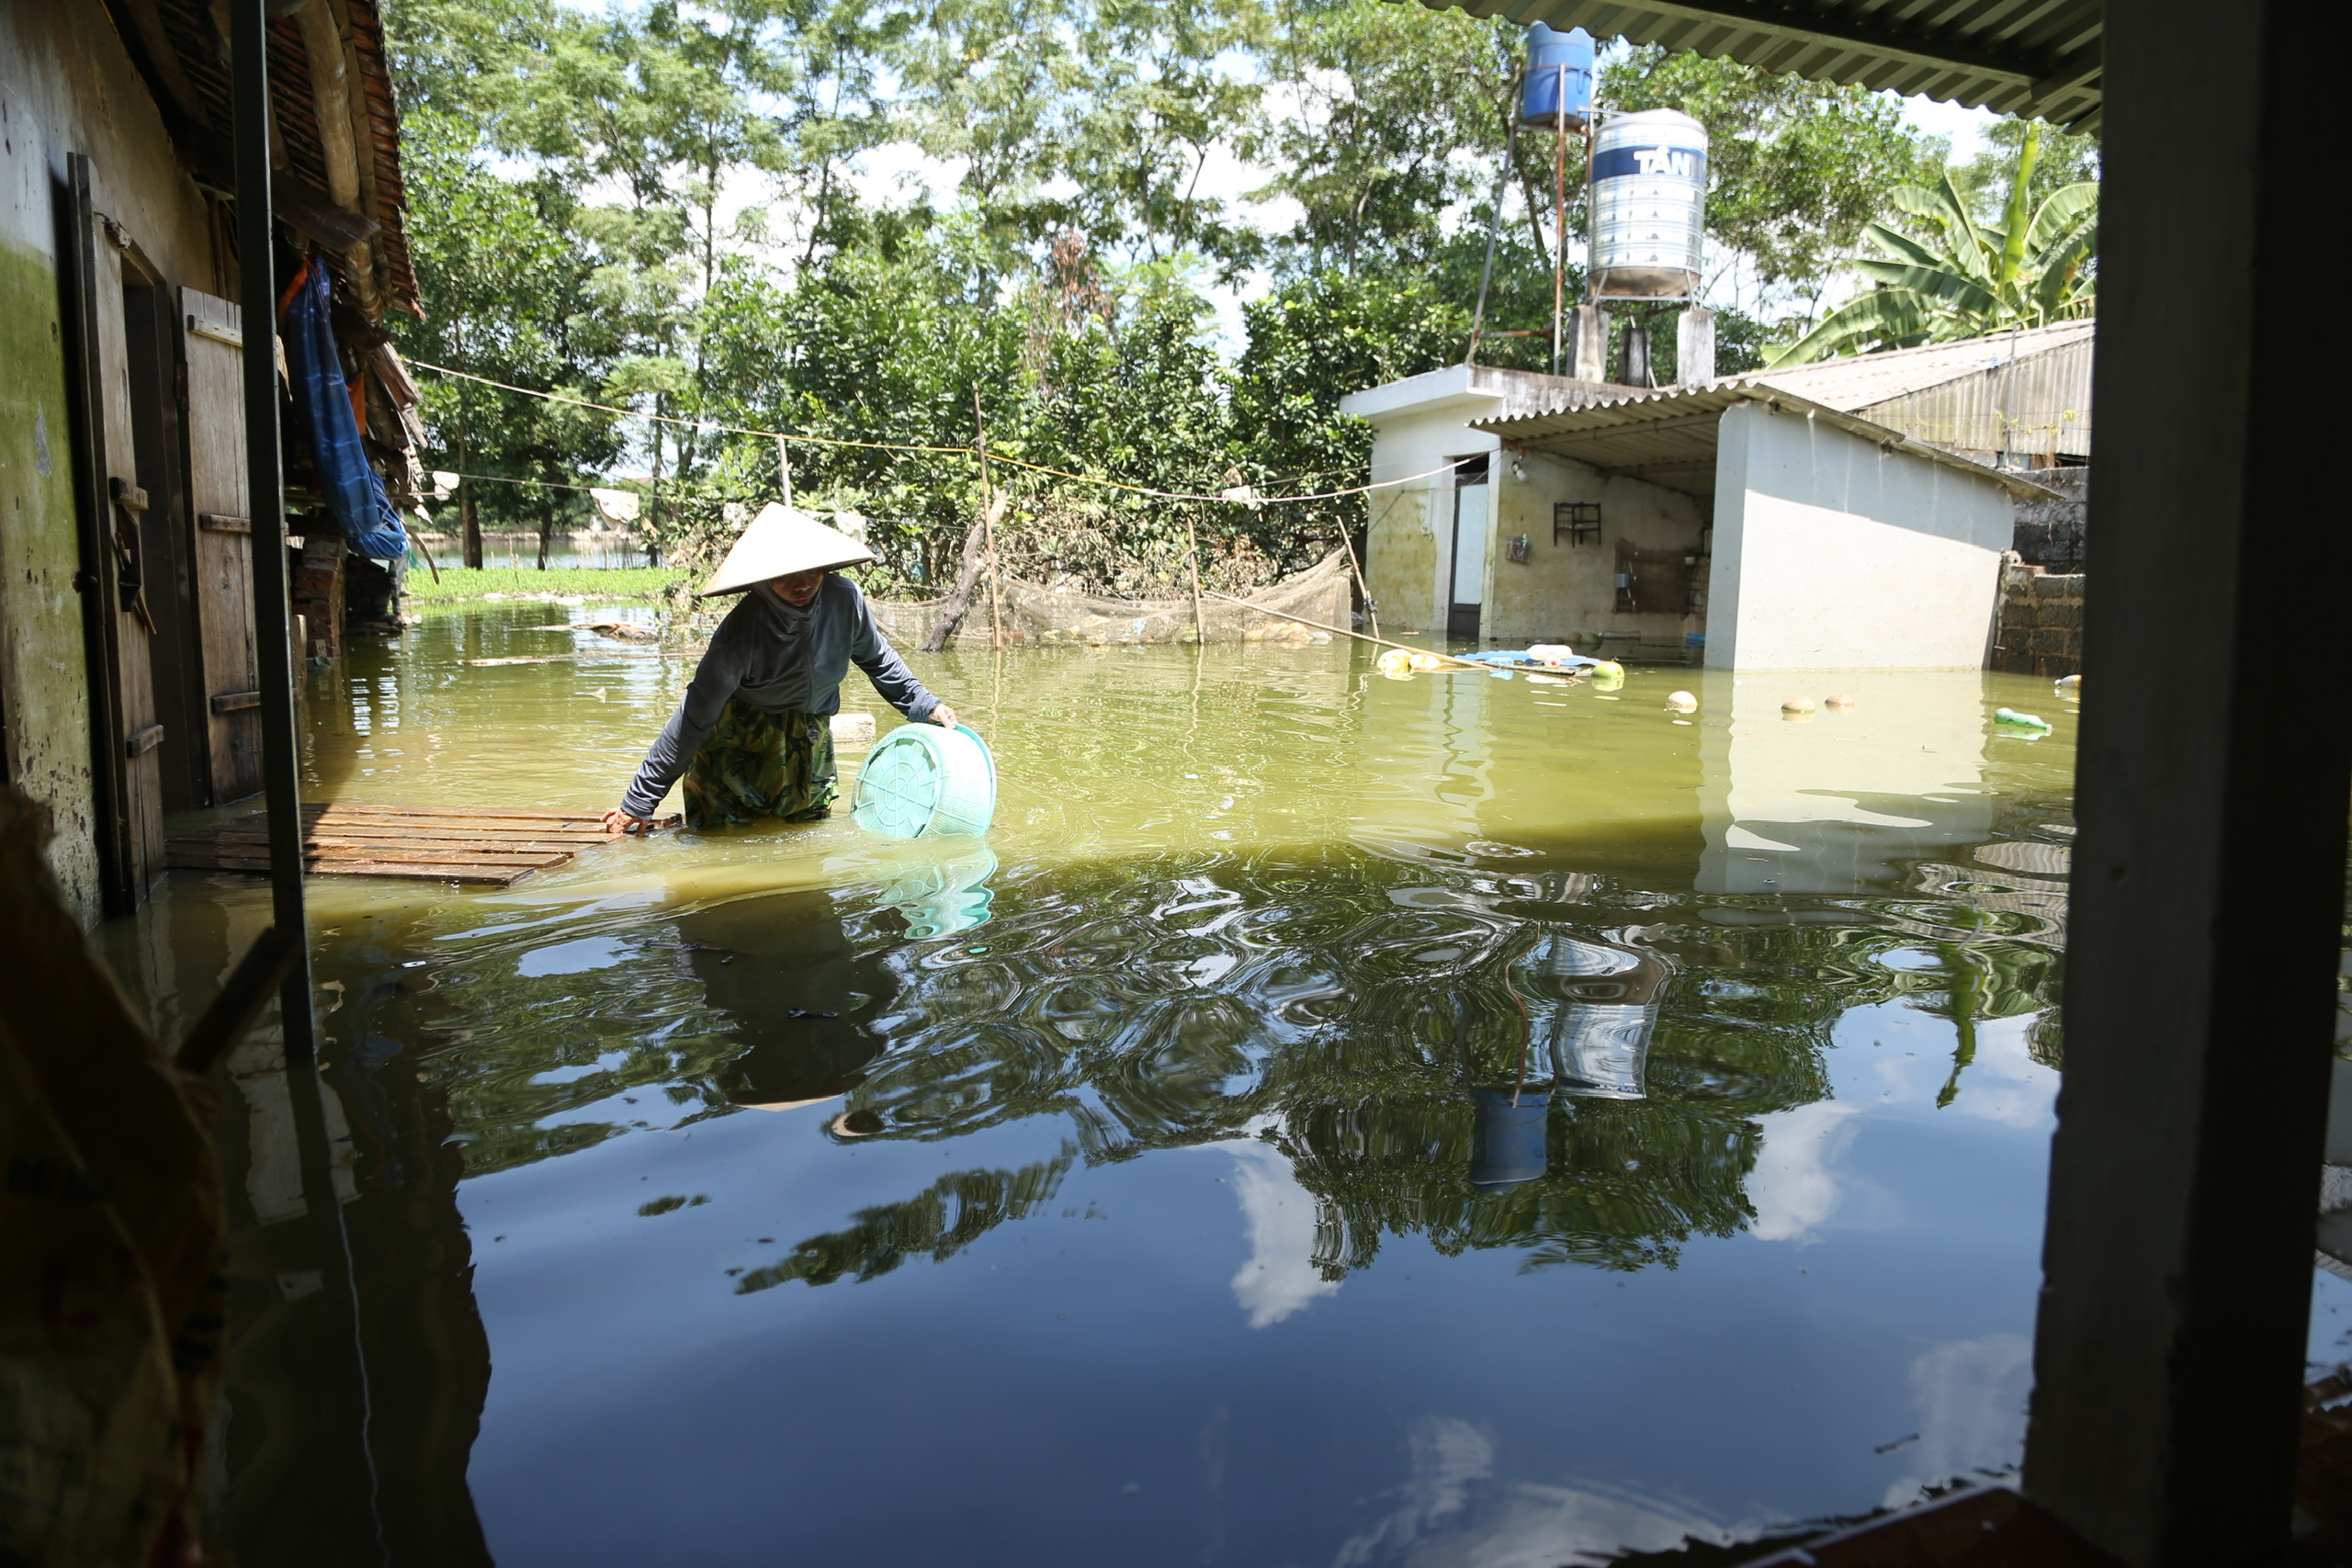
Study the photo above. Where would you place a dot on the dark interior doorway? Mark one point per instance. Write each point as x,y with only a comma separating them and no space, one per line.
1474,525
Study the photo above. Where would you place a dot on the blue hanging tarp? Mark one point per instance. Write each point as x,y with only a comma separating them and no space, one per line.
353,491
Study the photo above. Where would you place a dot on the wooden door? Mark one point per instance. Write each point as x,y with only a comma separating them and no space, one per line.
125,731
222,556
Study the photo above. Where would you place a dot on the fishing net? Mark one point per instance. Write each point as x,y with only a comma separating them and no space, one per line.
1032,615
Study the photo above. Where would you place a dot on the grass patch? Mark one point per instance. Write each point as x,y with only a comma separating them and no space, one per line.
585,582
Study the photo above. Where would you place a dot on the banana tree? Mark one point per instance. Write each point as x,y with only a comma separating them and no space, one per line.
1971,278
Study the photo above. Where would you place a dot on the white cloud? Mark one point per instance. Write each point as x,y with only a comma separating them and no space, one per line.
1280,1277
1792,1188
1970,1398
1453,1513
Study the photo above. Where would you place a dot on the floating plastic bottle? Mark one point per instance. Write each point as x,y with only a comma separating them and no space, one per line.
2022,720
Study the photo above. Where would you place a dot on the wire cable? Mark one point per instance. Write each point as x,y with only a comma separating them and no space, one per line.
1252,499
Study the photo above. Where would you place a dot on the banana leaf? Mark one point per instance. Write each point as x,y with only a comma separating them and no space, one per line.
2059,213
1937,284
2013,212
1879,316
2062,290
1901,246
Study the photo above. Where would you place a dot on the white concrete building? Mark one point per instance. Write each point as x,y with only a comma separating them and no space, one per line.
1751,517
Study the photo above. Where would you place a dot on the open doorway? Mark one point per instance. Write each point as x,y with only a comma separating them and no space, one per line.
1467,553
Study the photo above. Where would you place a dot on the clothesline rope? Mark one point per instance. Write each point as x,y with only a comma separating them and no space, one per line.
1250,499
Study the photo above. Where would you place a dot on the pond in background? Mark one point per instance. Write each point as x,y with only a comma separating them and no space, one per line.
570,549
1331,1120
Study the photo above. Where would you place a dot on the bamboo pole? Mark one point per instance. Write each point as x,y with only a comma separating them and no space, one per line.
418,540
783,468
987,523
1363,588
1559,214
1193,567
1495,218
1359,636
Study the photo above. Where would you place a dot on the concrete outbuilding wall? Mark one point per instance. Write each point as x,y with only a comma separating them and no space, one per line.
1563,589
1405,559
1566,589
1833,552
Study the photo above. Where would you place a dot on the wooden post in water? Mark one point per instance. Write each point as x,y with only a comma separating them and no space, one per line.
274,653
987,523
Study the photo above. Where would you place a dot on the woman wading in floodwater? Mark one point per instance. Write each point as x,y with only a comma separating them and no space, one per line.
754,734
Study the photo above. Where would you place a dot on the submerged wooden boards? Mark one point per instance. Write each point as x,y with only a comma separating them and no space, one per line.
417,844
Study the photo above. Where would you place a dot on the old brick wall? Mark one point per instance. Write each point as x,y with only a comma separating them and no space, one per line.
318,594
2041,622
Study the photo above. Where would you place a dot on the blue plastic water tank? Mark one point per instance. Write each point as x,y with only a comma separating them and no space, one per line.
1507,1137
1559,78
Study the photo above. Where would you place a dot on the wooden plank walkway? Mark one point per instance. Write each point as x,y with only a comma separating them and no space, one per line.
417,844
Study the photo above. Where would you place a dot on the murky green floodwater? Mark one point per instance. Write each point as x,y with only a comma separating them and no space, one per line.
1173,1179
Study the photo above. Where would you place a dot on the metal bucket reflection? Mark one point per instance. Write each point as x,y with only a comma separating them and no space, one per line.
1604,1003
1603,1050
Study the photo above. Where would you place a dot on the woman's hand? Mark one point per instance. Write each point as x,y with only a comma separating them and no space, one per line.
943,716
619,821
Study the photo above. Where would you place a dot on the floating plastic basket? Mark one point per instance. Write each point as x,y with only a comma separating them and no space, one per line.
921,780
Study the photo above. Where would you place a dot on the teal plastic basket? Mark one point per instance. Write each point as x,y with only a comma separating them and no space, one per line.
921,781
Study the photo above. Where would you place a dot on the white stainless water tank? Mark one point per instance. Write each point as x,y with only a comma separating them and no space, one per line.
1649,201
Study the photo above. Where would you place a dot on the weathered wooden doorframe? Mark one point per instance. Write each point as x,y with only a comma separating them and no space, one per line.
118,617
228,696
119,890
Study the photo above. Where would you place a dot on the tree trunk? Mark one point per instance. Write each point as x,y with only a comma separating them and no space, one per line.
546,525
951,614
469,528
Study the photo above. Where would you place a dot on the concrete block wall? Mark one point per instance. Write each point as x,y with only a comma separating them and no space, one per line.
2050,533
2041,622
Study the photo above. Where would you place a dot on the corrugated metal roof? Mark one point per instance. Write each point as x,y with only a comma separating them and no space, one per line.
1667,437
2023,57
1870,380
2037,404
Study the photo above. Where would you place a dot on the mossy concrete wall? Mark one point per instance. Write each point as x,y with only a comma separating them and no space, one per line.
43,680
67,87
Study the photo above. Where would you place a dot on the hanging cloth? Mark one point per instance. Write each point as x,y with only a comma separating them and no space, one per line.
323,409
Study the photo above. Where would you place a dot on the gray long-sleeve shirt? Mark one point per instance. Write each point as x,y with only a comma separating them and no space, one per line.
779,660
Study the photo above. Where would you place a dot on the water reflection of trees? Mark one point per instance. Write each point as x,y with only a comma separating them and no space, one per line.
1343,1013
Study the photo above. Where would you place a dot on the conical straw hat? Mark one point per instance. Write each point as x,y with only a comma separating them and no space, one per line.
779,542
